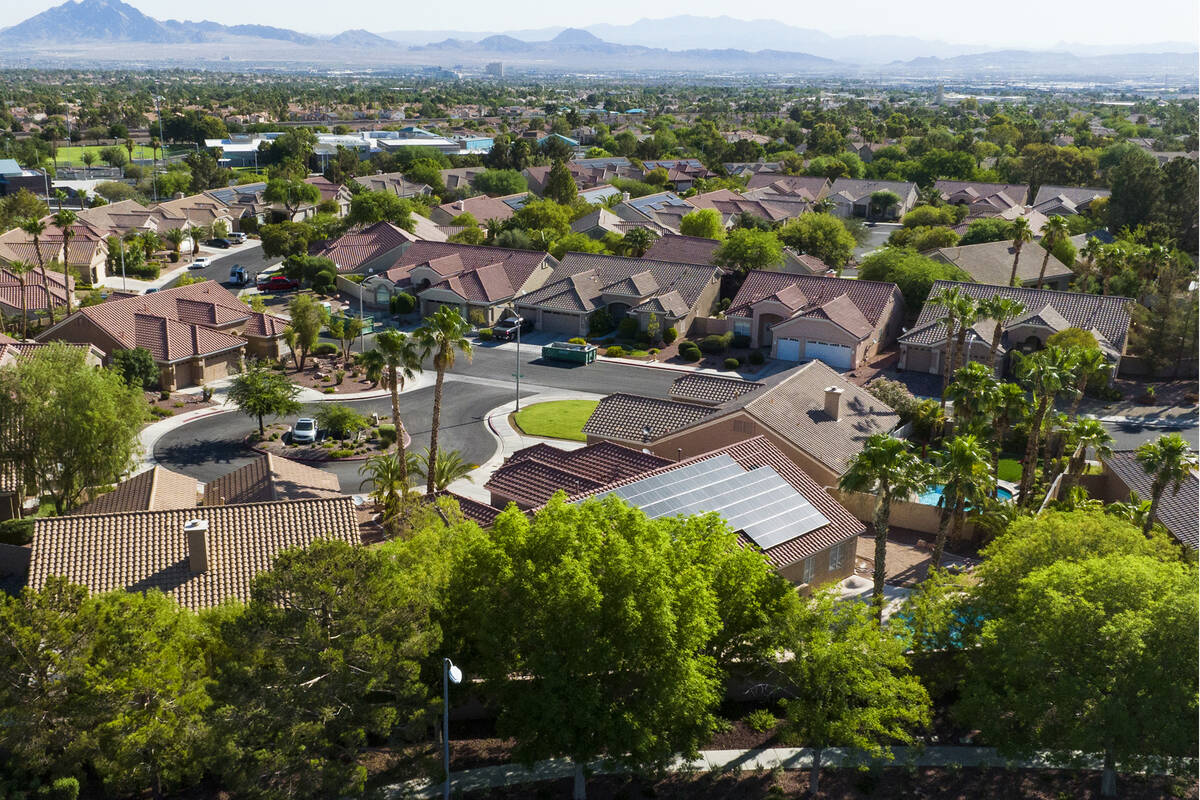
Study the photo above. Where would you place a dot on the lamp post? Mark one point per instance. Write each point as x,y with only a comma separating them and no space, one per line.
450,674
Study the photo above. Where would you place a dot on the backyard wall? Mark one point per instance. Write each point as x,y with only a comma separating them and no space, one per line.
703,326
905,514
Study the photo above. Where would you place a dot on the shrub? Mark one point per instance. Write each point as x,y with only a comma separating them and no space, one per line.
716,343
600,322
403,303
341,376
174,257
756,357
164,395
741,340
477,317
690,354
16,531
670,335
275,436
342,453
616,351
485,334
60,789
894,394
760,720
330,390
179,404
325,349
654,351
628,328
577,340
732,363
161,413
387,434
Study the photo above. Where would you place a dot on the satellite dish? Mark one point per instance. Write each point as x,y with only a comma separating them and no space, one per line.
455,674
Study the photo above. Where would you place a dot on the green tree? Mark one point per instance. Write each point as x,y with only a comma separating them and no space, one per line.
847,683
560,184
175,237
998,308
70,427
367,208
913,273
401,356
387,475
1044,374
345,328
1169,461
341,422
1137,190
825,139
500,182
1021,233
637,241
444,335
546,216
963,468
704,223
887,467
292,194
959,307
575,243
1054,232
449,467
1088,435
745,249
988,229
136,367
259,391
882,202
820,235
280,239
307,319
316,272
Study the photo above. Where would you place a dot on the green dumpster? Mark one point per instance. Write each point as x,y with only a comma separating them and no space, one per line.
565,351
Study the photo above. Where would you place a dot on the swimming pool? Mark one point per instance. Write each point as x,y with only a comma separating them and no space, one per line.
933,494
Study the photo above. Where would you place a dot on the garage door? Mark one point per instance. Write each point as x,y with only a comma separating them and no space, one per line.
837,356
787,349
557,322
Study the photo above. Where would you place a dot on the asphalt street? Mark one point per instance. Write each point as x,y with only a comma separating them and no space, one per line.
248,255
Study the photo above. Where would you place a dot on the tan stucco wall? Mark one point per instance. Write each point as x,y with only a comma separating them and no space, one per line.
904,514
821,330
80,329
822,575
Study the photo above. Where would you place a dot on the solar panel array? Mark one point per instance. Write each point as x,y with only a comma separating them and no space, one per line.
757,502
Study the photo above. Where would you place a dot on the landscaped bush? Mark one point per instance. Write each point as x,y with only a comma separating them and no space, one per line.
894,394
485,334
654,351
670,335
740,340
600,322
16,531
325,349
161,413
716,343
387,434
145,270
628,328
732,363
403,303
344,453
690,354
341,376
577,340
174,257
760,720
756,357
616,351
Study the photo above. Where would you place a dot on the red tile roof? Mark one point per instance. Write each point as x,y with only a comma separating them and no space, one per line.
530,477
683,249
450,259
870,297
357,247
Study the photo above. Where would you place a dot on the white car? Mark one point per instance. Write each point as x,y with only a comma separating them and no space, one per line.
201,263
305,431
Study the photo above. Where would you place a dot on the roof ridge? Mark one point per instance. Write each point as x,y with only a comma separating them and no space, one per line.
344,497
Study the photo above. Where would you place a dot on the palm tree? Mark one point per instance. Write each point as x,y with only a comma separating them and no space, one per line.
372,365
1054,231
967,311
949,298
1088,434
1089,363
35,228
65,219
1111,260
1092,248
197,234
175,236
886,467
963,469
999,309
1135,512
129,148
400,356
1021,234
1044,374
973,392
60,197
1169,461
387,474
448,468
444,334
20,269
1009,407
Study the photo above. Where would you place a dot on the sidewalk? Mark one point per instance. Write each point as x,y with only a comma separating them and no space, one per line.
771,367
117,283
790,758
509,440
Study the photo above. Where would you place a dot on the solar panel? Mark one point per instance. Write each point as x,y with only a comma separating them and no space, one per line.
760,503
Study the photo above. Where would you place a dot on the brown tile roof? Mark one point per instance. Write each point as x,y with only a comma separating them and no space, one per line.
683,249
454,259
270,477
1017,192
802,186
531,476
1176,511
480,513
991,262
483,208
758,452
155,489
584,278
711,389
142,550
1108,316
351,250
869,297
623,417
43,289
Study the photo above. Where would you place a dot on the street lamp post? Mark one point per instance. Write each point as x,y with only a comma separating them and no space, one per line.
124,285
450,674
517,374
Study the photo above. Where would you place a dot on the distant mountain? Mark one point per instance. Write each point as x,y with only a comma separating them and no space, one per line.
360,38
91,20
1029,62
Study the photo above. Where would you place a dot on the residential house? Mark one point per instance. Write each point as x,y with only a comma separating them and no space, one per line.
196,333
1067,200
393,183
1124,476
12,351
531,476
840,321
763,184
269,478
983,198
45,293
482,207
368,250
459,179
992,263
815,417
683,249
597,224
1046,313
156,489
852,198
332,193
675,293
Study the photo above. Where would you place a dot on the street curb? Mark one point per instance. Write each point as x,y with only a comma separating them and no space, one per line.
1148,422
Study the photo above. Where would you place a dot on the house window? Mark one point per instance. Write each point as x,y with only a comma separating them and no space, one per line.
741,326
382,296
836,555
810,568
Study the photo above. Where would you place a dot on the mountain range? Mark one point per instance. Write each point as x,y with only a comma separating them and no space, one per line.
100,30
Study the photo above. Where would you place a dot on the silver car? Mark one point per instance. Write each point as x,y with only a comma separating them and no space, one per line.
305,431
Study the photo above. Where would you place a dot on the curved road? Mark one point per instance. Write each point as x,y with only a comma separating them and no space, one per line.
212,446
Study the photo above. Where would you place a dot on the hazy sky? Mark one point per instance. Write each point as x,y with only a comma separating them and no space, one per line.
1014,23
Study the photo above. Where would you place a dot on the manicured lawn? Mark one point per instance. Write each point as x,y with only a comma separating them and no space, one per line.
560,419
73,155
1010,470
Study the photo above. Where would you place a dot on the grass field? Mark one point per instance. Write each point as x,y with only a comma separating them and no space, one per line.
73,155
559,419
1010,470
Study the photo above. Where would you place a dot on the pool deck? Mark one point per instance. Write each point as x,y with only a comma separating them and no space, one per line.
907,561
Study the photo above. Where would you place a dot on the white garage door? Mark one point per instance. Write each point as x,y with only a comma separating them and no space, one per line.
787,349
837,356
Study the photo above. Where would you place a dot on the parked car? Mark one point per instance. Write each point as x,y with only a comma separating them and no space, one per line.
237,237
238,275
305,431
201,263
280,283
224,244
506,329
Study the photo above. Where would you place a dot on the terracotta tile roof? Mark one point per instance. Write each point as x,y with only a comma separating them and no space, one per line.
329,190
842,312
142,550
351,250
623,416
584,278
488,284
171,340
483,208
460,258
44,289
1107,315
683,249
711,389
1016,192
1176,511
756,453
531,476
270,477
480,513
264,325
802,186
871,298
156,489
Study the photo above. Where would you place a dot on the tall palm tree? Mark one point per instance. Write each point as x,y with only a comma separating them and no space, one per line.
372,365
1000,309
1009,407
967,311
35,228
1169,461
949,298
1111,260
65,220
1088,434
1044,373
973,392
387,475
886,467
175,236
60,197
401,357
963,469
1091,250
444,334
197,234
1090,363
1021,233
1054,231
129,149
448,468
20,269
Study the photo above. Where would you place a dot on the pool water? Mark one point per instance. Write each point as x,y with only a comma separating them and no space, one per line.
933,494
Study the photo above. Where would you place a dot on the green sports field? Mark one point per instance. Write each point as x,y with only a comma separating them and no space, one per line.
73,155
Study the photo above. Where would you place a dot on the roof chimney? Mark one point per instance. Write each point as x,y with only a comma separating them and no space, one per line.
196,531
833,401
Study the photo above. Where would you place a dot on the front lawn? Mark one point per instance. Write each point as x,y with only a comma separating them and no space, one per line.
1010,470
558,419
